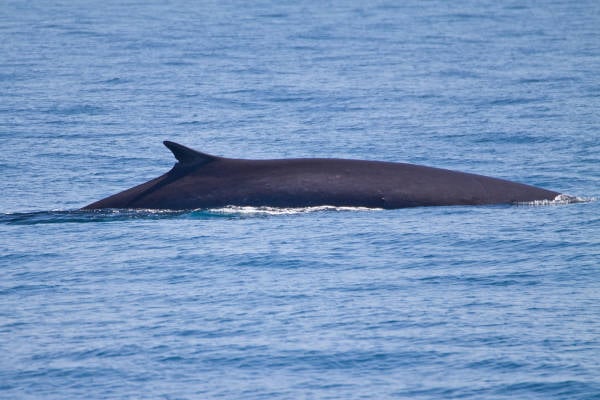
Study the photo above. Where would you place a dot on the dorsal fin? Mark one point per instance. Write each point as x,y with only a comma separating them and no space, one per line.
185,155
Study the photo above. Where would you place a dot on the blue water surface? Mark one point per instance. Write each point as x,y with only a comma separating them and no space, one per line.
492,302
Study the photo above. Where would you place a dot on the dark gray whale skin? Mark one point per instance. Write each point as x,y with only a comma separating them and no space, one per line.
202,181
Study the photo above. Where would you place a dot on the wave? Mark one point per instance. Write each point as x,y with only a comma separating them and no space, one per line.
247,210
80,216
112,215
559,200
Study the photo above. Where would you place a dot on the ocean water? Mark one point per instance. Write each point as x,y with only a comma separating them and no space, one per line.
492,302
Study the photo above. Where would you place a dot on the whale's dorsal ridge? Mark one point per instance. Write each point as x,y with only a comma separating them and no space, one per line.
185,155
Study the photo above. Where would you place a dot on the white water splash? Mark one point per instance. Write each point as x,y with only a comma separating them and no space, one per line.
561,199
248,210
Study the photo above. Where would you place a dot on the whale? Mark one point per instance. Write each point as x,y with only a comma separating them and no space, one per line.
203,181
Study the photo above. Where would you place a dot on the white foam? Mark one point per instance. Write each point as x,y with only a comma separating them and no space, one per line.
134,211
247,210
561,199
